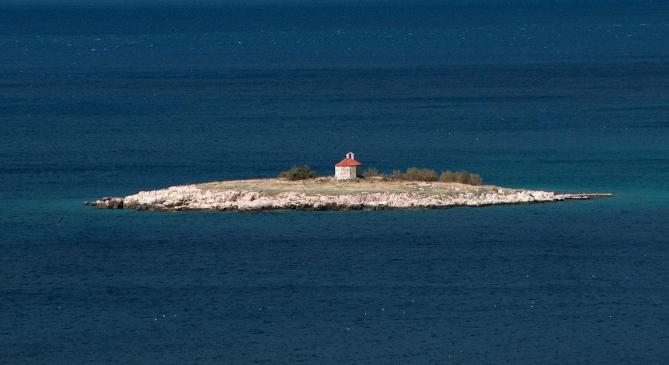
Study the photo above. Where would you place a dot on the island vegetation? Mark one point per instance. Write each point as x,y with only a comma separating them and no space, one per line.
298,173
305,172
425,174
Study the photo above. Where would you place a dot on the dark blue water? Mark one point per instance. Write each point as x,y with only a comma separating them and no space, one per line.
557,96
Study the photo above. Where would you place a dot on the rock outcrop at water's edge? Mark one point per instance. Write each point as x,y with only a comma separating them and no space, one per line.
197,197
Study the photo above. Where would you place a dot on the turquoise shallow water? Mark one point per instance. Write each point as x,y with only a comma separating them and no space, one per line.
101,102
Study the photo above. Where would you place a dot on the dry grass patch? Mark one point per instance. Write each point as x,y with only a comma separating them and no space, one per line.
330,186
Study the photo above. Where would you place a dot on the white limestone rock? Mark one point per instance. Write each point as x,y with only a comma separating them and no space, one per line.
193,197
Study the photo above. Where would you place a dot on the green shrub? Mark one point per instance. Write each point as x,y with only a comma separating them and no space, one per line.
371,172
462,177
414,174
417,174
298,173
422,174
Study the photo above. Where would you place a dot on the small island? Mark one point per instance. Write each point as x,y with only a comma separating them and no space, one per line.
300,189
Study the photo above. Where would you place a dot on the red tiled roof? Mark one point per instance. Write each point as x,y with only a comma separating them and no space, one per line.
348,162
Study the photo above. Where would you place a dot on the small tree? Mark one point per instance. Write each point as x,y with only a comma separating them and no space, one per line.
298,173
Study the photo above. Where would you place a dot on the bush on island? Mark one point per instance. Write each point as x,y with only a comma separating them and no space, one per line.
462,177
421,174
414,174
371,172
298,173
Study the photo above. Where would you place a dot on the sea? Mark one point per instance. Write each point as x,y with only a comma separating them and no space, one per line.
108,100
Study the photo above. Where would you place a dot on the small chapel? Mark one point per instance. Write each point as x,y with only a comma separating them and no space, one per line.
347,169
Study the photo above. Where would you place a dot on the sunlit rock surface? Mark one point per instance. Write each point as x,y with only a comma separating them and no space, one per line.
328,194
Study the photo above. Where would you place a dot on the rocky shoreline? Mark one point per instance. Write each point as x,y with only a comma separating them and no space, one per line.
409,195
